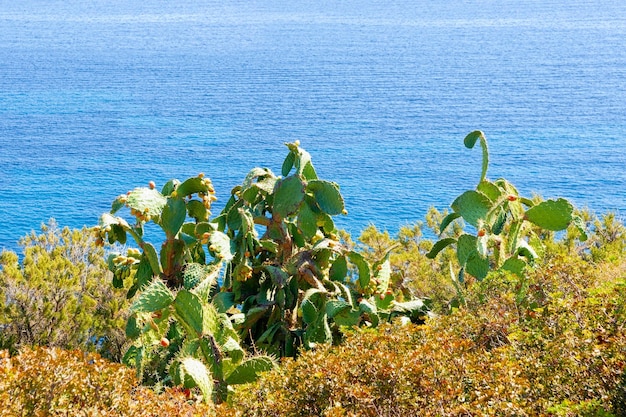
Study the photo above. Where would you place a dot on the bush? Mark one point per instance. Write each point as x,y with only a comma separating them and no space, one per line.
55,382
60,295
565,358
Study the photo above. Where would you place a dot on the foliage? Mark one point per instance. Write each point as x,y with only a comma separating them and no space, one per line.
567,359
56,382
413,275
59,295
287,279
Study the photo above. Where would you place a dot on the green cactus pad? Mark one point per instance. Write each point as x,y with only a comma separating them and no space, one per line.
466,246
172,254
363,268
150,253
288,196
288,163
222,245
515,265
327,196
307,221
200,375
192,186
145,200
489,189
334,307
472,206
196,317
447,221
173,216
477,266
318,332
309,311
132,329
250,369
193,274
339,269
439,246
155,297
197,210
347,317
383,274
551,214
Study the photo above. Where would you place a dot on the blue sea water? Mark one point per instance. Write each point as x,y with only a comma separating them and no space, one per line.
100,96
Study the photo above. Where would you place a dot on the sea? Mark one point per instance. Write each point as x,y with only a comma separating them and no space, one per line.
100,96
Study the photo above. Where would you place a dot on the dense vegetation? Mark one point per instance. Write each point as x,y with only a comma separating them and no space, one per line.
517,309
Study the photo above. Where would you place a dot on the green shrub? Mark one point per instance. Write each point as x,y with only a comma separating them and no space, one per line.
55,382
60,295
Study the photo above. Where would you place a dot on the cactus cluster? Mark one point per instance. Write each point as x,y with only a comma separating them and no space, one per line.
268,273
506,225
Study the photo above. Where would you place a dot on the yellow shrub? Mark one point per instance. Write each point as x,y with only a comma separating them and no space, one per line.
55,382
565,359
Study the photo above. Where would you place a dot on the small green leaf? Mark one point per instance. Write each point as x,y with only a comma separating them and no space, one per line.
551,214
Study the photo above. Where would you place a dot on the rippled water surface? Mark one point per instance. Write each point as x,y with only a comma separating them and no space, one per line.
98,97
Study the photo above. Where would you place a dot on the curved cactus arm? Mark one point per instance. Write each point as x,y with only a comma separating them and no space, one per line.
470,141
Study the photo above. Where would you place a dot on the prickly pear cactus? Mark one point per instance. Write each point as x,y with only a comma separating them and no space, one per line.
285,279
505,224
291,280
